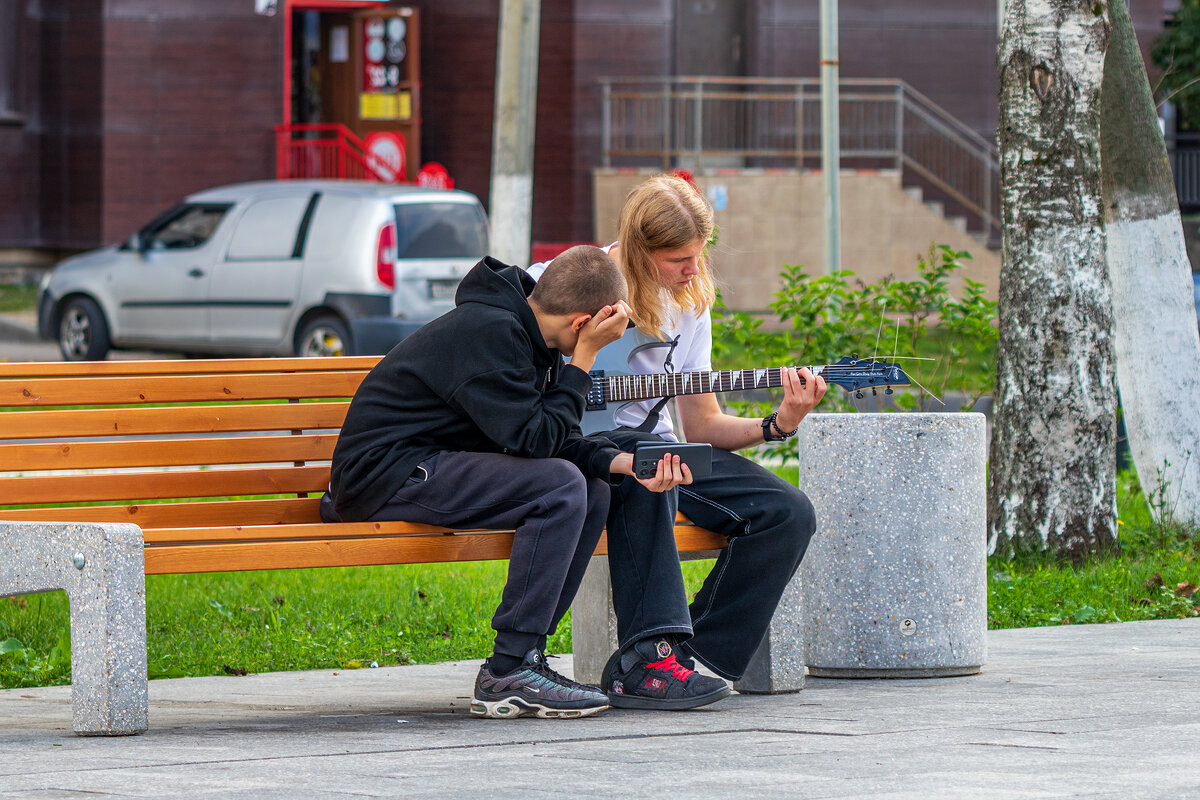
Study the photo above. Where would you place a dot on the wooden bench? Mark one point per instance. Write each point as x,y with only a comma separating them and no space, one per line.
220,463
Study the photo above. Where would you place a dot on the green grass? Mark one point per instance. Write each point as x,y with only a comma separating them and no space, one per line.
227,623
17,297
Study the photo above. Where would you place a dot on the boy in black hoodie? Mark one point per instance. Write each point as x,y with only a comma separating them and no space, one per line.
473,422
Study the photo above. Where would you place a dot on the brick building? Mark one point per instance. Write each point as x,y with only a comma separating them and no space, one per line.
110,110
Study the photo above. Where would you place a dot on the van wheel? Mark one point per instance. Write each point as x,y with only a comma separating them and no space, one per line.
83,331
323,336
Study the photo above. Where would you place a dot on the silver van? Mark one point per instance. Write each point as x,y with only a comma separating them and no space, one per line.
310,268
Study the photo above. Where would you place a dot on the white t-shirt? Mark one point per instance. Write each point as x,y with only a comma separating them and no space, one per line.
692,354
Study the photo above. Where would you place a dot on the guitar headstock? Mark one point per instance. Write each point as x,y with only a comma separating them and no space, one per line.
855,374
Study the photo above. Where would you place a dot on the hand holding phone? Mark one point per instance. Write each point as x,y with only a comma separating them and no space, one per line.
646,456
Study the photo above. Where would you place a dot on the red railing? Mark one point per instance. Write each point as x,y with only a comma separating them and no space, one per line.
325,151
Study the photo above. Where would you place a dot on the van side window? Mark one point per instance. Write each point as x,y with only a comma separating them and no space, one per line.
440,230
268,229
186,226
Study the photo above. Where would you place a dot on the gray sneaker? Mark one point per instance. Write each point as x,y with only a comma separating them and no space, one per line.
533,688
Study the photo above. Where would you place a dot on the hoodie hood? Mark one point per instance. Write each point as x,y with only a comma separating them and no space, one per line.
494,283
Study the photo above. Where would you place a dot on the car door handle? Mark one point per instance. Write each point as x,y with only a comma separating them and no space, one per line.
195,272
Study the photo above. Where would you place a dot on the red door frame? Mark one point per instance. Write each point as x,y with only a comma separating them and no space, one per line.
309,5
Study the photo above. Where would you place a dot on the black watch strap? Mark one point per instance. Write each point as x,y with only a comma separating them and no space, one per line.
769,428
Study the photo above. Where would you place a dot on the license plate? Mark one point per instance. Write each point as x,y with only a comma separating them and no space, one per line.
442,290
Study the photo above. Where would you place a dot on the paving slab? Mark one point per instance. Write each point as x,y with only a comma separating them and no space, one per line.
1096,711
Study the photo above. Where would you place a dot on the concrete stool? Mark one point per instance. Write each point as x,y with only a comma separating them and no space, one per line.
894,583
102,569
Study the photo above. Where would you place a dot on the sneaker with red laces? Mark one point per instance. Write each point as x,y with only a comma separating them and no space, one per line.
648,676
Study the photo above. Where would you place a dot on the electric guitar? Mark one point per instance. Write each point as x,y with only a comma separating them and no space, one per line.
852,374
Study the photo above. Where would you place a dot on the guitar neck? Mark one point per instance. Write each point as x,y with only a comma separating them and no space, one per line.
621,388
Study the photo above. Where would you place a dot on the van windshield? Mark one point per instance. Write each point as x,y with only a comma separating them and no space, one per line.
440,230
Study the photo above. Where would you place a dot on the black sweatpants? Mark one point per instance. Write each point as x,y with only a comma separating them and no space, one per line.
557,513
768,523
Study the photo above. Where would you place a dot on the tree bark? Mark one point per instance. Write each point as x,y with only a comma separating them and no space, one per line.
1052,466
1156,342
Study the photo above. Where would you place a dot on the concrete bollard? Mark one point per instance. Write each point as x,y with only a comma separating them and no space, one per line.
894,583
102,569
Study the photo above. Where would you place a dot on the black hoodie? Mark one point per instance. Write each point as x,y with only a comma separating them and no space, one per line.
480,378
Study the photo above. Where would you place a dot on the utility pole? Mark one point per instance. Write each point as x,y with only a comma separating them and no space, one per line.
830,134
511,204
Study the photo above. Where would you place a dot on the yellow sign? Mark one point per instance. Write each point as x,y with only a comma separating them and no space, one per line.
385,106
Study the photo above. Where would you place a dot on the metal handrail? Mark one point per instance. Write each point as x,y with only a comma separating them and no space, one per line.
323,150
712,121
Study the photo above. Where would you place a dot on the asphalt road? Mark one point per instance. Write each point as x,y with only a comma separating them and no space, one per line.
19,342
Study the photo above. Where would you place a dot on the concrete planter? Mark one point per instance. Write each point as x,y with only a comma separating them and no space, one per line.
895,581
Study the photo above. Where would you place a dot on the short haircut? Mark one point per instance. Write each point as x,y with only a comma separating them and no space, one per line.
580,280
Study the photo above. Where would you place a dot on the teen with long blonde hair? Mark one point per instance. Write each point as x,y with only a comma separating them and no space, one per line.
665,226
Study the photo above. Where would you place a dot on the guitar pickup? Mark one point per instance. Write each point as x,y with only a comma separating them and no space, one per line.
595,396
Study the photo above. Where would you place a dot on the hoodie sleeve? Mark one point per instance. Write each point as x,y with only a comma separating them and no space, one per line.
508,407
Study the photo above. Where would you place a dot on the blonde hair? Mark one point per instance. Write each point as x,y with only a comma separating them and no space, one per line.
663,213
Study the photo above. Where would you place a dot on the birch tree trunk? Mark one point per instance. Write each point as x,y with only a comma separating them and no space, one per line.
1156,343
1052,465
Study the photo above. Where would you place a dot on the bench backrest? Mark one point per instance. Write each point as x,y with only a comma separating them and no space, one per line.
233,441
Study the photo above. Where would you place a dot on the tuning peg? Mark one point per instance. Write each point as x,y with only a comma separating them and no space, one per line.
888,390
858,395
874,392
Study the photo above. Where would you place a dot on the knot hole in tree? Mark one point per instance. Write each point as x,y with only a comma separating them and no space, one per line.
1041,79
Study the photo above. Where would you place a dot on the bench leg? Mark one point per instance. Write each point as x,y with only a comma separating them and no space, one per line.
778,664
593,623
102,569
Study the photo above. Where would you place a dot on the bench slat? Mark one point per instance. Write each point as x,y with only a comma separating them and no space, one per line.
148,421
157,485
687,535
289,510
176,559
185,366
101,390
239,556
167,452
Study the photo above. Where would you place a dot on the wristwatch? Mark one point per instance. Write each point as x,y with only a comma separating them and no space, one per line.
771,431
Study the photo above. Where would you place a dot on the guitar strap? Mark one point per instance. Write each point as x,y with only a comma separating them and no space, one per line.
651,420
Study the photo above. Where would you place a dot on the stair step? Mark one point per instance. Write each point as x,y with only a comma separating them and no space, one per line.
915,193
959,222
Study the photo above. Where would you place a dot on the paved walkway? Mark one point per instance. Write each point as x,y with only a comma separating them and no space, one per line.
1096,711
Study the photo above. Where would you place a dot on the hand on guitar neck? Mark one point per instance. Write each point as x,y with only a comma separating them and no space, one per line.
802,391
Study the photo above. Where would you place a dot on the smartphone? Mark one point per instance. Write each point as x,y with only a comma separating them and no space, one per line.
698,457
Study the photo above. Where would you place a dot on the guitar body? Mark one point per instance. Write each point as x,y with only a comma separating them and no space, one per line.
614,359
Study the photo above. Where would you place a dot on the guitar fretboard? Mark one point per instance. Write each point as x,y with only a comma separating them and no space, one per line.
644,387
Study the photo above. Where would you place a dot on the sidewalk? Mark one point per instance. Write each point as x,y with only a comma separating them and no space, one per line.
18,326
1097,711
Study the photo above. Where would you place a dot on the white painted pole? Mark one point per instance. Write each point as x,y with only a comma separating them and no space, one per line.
830,133
511,203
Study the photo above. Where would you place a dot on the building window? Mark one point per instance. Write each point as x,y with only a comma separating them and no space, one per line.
8,59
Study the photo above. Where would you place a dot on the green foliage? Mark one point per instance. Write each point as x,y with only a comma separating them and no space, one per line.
235,623
1152,577
17,297
1177,52
944,344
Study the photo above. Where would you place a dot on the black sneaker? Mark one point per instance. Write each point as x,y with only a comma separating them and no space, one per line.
533,688
657,680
